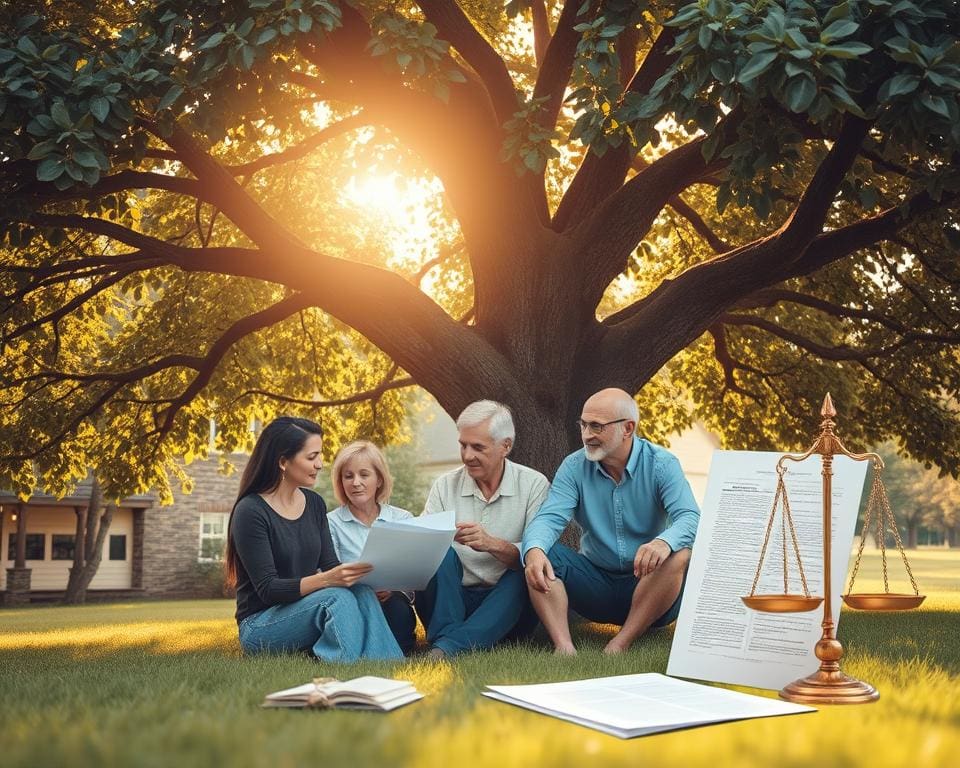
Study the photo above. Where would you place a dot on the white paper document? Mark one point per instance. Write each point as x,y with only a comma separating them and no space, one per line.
406,554
717,637
639,705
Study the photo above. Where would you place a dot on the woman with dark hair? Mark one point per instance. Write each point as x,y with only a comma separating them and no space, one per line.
292,591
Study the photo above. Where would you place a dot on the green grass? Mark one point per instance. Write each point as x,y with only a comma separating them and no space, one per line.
164,684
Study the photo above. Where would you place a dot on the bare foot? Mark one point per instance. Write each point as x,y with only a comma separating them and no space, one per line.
615,647
436,654
565,650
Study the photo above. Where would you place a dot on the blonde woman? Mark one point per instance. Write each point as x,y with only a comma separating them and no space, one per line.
362,484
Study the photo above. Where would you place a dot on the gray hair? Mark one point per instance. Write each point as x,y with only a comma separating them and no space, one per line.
499,416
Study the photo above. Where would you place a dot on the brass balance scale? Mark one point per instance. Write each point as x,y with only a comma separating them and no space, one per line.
828,685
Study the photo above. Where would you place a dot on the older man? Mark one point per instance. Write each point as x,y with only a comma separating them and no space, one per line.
638,517
479,593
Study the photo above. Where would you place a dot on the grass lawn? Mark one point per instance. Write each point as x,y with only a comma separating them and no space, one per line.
163,684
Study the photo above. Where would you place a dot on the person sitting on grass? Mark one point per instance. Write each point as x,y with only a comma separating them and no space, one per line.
478,595
638,518
292,592
362,484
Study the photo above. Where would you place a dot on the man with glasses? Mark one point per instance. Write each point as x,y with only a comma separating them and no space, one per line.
638,519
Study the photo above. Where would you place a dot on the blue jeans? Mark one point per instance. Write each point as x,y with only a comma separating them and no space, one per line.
461,618
402,621
335,624
599,595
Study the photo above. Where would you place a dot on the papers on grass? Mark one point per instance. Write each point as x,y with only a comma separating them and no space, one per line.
717,637
639,705
406,554
376,693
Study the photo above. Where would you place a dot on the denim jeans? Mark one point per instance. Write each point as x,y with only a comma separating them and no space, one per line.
402,621
335,624
461,618
599,595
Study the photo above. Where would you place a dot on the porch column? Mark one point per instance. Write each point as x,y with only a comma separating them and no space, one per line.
18,577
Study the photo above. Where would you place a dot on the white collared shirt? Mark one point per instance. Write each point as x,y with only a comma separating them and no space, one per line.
504,515
349,534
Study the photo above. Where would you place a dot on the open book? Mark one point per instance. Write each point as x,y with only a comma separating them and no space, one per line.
377,693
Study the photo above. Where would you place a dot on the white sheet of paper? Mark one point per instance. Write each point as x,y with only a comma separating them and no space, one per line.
641,704
406,554
717,637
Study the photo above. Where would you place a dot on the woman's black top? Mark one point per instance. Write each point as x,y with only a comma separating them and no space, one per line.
274,553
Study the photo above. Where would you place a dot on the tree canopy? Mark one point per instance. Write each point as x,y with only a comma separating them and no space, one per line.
728,208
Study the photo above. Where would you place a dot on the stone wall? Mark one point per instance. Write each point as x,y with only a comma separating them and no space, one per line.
171,534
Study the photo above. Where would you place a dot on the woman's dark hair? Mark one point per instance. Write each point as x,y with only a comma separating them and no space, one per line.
282,438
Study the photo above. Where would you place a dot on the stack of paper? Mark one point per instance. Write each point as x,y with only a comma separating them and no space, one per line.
406,554
638,705
369,692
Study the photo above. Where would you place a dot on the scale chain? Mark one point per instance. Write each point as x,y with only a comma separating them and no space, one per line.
786,519
885,503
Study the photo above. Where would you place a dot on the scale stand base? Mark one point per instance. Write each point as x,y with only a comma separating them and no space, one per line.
829,687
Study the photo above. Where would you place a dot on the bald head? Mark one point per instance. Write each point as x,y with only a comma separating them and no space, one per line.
615,403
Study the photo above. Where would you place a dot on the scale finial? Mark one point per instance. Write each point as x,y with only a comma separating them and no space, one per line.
827,409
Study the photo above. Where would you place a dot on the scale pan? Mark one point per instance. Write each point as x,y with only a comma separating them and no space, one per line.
883,601
781,603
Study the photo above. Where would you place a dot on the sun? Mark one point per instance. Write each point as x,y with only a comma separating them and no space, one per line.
404,209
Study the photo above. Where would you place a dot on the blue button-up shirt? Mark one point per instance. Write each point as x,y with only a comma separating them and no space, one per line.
653,500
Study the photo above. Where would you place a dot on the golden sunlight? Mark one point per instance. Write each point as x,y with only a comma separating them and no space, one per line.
403,209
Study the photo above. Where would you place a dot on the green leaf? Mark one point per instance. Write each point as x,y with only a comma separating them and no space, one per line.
247,55
841,28
61,116
800,93
850,50
304,23
214,40
99,108
935,104
455,76
839,11
722,71
266,36
841,95
757,65
51,168
86,158
898,85
170,96
403,59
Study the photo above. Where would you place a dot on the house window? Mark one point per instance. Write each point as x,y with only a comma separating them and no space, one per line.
64,545
34,546
213,535
118,546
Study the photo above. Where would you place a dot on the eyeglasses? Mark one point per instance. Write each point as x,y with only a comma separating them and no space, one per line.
596,427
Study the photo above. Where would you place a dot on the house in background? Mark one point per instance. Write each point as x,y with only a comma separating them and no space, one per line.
151,550
175,551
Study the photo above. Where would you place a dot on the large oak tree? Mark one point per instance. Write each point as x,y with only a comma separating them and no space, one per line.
727,207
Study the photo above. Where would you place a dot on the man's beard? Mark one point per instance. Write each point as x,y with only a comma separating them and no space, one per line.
596,453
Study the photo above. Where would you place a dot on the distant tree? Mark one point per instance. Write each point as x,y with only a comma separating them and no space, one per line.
93,524
728,208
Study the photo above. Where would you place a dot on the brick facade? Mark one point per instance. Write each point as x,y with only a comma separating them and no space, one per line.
171,534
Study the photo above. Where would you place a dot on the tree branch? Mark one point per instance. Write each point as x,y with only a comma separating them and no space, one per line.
557,64
541,29
598,177
454,26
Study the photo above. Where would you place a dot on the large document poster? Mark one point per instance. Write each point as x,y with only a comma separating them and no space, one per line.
717,637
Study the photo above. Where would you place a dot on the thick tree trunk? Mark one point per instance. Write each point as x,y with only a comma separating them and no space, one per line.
911,535
92,529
